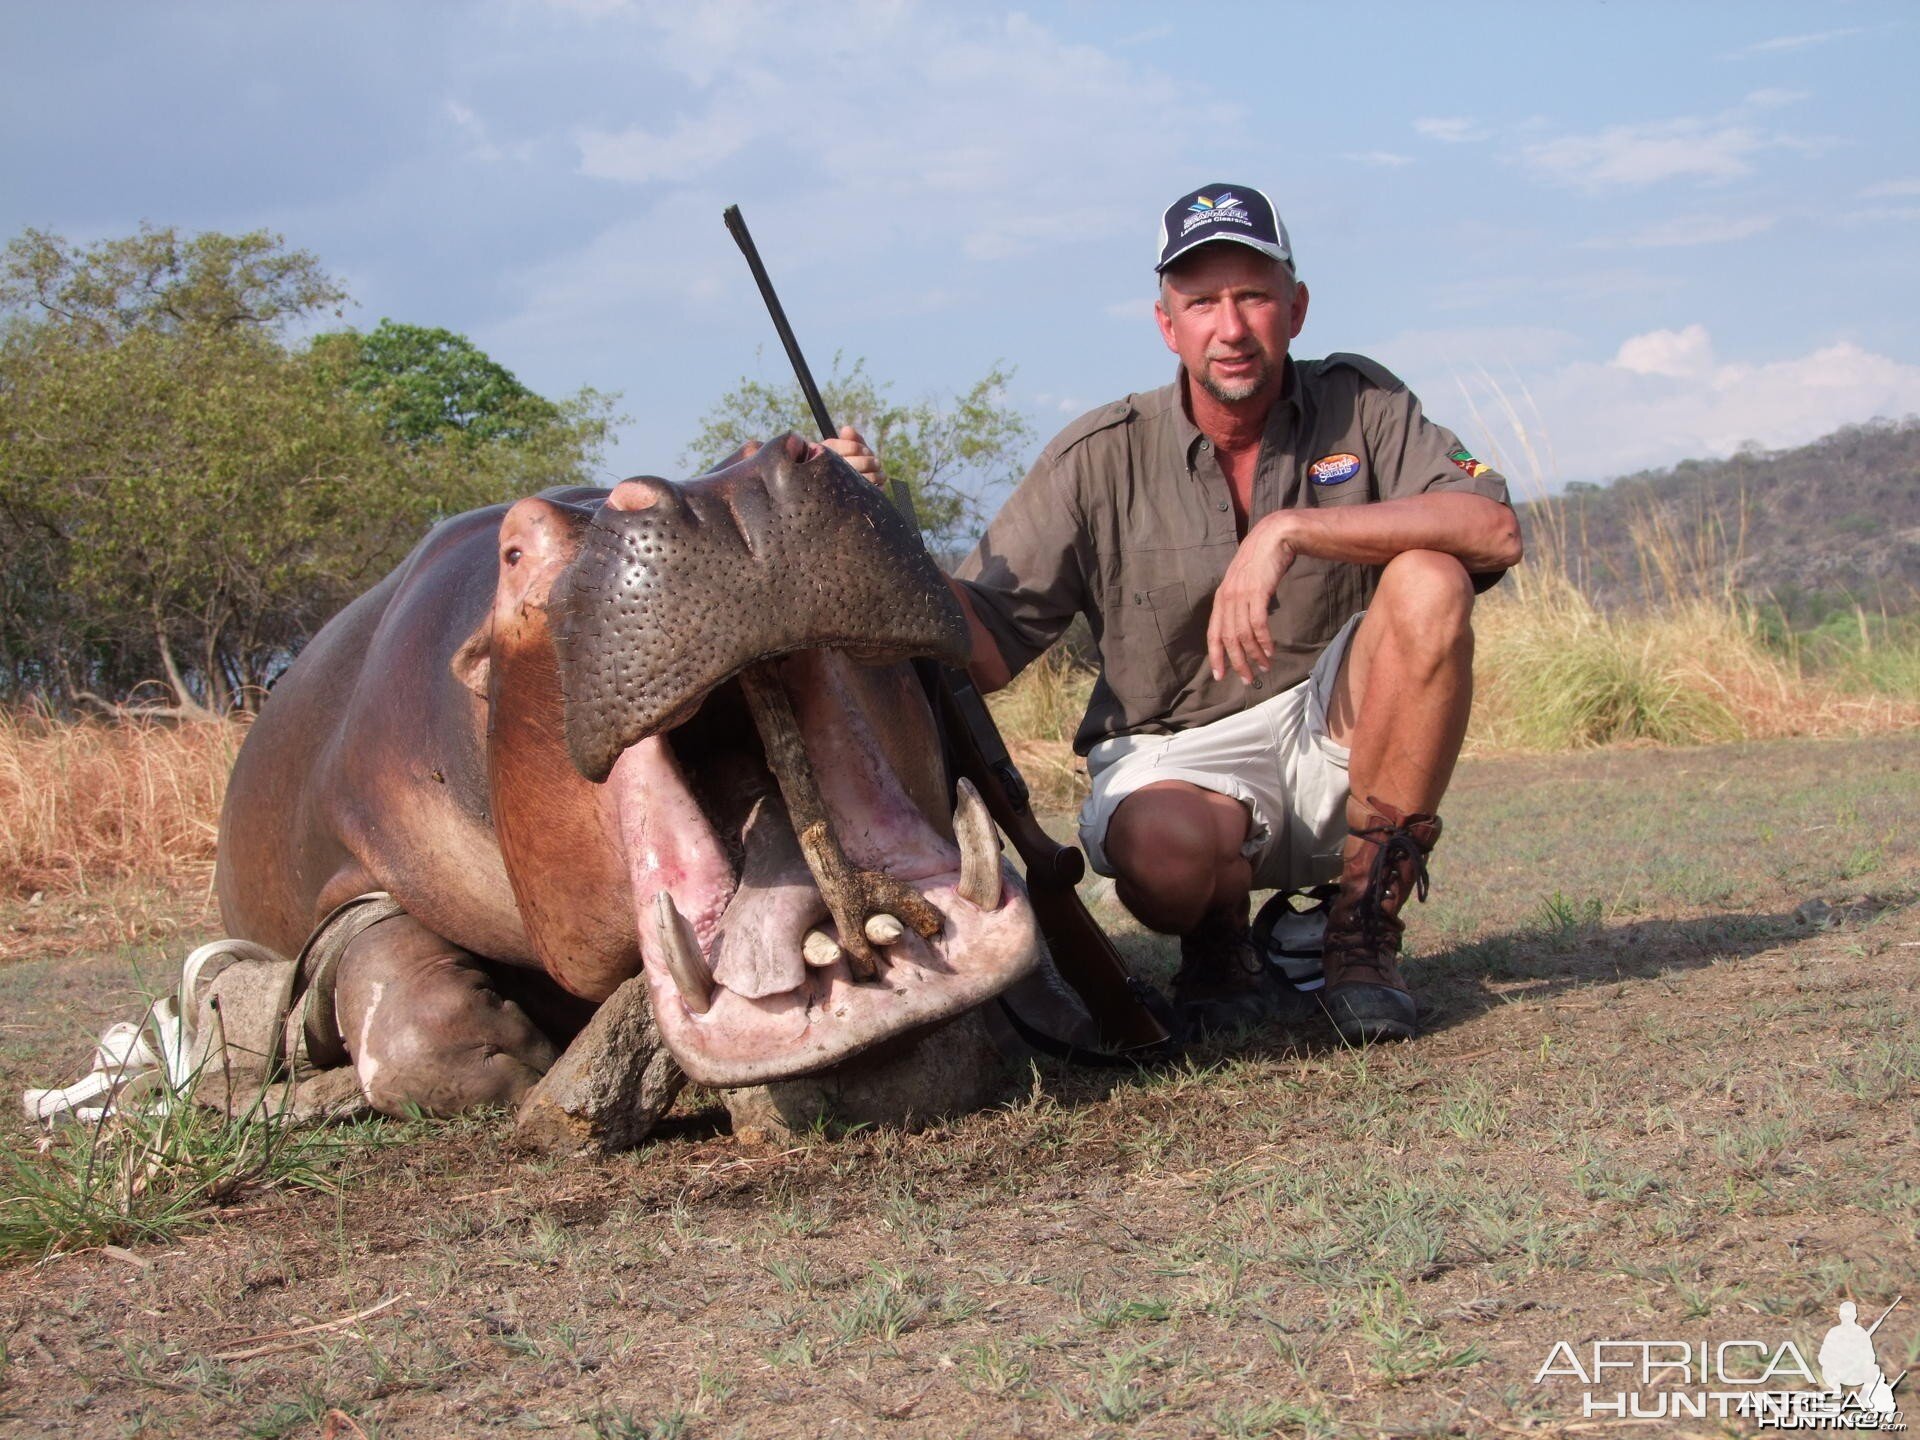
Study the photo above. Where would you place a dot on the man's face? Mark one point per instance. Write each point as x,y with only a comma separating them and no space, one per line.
1228,312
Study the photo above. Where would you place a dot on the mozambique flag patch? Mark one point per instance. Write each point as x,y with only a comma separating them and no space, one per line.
1464,459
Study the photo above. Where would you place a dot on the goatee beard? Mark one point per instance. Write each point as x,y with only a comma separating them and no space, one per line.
1241,390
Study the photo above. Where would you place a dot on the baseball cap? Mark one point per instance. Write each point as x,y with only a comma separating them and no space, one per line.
1222,212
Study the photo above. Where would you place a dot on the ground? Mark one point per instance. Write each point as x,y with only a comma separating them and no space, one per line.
1667,1092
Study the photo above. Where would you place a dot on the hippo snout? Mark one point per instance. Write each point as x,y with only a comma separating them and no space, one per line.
678,587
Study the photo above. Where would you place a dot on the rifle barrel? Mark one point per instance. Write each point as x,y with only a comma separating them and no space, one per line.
737,227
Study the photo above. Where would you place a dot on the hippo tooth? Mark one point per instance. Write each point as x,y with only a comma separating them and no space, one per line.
819,949
682,951
884,929
979,849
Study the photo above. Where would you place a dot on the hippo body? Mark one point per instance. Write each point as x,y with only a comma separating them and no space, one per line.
664,730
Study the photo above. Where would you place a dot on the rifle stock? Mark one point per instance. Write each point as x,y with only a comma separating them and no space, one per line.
1082,951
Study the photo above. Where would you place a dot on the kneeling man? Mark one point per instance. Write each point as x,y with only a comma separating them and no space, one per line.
1278,559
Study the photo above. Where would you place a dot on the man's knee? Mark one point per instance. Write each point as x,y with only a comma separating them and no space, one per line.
1428,596
1162,830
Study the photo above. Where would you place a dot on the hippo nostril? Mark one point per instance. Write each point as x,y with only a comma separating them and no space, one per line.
798,450
642,492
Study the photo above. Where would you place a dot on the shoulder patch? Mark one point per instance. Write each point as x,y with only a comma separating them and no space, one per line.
1371,369
1463,457
1092,423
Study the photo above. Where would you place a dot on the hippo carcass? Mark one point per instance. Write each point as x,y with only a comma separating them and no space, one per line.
575,739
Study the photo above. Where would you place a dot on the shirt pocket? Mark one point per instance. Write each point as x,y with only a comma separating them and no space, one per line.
1314,599
1144,635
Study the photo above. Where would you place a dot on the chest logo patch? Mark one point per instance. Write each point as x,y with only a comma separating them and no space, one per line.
1332,469
1464,459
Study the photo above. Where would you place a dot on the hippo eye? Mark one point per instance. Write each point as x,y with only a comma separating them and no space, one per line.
512,557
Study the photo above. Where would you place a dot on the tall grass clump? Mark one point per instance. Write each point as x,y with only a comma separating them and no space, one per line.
92,799
1038,715
148,1175
1689,663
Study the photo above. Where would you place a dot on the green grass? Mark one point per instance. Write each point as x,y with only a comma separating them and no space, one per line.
146,1176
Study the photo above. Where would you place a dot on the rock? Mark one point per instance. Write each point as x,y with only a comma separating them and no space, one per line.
945,1072
612,1085
1815,914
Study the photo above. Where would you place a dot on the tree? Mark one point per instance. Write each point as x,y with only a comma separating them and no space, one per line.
949,455
432,386
161,281
186,497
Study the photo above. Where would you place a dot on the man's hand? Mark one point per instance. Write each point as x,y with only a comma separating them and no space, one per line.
852,448
1237,633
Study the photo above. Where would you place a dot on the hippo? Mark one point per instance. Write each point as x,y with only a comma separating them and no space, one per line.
669,731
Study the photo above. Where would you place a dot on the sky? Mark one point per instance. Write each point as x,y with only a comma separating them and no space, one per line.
1593,237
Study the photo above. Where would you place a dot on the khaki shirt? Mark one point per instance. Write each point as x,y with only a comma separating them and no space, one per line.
1126,518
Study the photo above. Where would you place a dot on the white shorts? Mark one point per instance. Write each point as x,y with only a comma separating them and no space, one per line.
1275,758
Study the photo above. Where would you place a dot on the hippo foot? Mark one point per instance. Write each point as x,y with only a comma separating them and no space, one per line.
610,1088
935,1076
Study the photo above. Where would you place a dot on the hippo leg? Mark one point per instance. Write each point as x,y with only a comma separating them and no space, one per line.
427,1028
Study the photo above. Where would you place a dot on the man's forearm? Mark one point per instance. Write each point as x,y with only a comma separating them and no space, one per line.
985,664
1482,534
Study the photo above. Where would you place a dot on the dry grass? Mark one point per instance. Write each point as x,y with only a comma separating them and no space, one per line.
92,800
1690,665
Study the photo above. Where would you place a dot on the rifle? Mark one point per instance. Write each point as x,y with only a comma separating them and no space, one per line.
1082,952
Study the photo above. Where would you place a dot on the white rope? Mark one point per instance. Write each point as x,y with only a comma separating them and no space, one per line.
153,1060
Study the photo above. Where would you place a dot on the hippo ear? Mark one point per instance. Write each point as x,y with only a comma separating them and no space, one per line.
472,663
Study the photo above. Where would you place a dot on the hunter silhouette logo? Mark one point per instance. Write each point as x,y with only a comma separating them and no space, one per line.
1847,1362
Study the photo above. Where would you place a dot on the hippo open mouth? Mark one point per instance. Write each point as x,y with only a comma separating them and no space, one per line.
800,887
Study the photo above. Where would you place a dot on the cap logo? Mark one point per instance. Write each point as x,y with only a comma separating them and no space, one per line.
1227,209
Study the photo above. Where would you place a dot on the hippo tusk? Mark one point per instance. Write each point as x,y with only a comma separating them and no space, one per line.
681,949
820,949
884,929
979,849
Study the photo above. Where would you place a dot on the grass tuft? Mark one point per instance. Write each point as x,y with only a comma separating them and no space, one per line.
148,1176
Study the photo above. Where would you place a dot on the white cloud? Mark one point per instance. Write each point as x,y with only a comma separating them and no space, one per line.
1673,353
1645,154
1450,129
1891,189
1386,159
1780,44
1773,99
480,143
1667,395
686,152
1690,230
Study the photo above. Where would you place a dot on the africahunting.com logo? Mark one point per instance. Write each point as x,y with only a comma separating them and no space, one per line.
1767,1382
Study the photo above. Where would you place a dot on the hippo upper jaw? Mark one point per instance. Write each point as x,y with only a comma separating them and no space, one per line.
676,588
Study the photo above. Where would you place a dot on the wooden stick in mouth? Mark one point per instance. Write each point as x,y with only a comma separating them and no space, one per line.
854,897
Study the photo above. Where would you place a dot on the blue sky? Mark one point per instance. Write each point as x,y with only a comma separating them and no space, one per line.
1616,234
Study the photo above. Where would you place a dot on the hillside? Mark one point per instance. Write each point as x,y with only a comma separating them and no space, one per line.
1817,529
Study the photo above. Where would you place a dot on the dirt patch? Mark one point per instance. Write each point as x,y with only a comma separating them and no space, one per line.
1668,1092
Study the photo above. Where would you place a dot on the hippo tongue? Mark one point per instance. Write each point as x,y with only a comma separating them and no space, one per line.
759,950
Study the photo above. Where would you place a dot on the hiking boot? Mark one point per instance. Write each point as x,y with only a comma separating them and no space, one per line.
1366,997
1223,982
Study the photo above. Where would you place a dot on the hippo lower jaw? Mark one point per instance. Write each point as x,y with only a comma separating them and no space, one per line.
749,975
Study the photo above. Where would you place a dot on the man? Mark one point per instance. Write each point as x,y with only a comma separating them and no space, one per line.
1278,560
